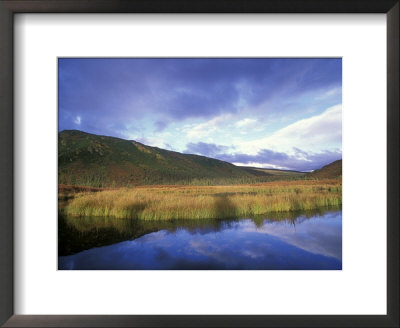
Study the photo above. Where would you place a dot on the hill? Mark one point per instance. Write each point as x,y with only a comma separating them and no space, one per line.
86,159
100,161
330,171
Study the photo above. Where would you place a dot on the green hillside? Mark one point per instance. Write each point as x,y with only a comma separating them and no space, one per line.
330,171
86,159
100,161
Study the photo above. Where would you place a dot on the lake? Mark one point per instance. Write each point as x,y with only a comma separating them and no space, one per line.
292,241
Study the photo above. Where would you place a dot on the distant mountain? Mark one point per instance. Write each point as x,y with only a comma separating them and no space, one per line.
330,171
258,171
100,161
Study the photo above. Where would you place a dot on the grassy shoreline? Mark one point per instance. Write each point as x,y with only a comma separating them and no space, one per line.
206,202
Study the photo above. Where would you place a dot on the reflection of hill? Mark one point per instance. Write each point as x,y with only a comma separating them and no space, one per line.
78,234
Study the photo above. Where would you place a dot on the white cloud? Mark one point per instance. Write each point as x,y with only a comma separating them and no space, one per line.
329,93
262,165
196,131
315,134
247,122
153,142
78,120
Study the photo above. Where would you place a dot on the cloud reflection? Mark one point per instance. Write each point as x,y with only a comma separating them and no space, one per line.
314,243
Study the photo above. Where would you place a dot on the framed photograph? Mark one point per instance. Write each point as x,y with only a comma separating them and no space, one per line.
182,164
205,177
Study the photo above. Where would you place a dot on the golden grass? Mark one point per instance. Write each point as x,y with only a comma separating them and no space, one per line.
198,202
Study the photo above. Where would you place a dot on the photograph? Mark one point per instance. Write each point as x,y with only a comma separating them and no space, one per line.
199,163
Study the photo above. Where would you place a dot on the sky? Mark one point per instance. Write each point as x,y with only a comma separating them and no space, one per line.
281,113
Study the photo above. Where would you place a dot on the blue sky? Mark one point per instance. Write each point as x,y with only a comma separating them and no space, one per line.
280,113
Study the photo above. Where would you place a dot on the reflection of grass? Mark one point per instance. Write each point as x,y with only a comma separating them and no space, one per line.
132,227
195,202
77,234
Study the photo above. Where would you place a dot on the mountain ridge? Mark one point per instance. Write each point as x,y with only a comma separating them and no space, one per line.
97,160
102,161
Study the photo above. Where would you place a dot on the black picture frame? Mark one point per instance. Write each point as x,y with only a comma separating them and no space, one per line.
10,7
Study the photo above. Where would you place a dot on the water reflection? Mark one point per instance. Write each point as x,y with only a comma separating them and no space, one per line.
311,240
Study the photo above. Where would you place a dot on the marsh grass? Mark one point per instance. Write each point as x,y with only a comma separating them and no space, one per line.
208,202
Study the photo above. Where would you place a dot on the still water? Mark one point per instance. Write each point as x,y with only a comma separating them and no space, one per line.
295,241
